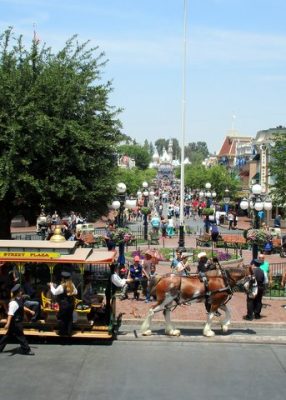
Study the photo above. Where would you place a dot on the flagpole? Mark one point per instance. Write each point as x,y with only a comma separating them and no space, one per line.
182,182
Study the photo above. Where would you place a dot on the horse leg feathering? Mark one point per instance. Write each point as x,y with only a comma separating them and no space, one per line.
225,323
146,326
207,328
169,330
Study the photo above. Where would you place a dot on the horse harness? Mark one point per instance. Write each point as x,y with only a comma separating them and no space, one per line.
208,293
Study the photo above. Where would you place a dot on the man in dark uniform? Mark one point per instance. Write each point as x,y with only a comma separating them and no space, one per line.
254,305
204,265
14,323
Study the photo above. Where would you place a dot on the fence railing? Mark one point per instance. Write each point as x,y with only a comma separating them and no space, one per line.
277,271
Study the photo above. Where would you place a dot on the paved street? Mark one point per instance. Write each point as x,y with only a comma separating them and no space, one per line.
153,370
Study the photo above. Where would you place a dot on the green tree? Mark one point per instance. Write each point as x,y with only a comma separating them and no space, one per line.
133,179
196,176
139,153
277,168
160,144
58,134
176,149
196,152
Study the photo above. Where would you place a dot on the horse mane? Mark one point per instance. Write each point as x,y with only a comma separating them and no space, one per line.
237,269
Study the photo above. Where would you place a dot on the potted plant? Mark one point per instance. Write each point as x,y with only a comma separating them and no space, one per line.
257,236
145,210
208,211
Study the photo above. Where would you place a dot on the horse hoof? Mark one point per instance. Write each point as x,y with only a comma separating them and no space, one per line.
173,332
209,333
147,333
224,328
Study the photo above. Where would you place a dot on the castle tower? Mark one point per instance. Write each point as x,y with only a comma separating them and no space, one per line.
170,150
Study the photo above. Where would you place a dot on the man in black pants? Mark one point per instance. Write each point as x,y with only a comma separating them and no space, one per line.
14,323
254,305
204,266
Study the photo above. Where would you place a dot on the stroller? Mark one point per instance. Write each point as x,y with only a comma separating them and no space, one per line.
283,246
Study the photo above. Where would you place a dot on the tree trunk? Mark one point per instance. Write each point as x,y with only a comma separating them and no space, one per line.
5,222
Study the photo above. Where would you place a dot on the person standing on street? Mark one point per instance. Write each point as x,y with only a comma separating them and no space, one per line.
14,324
175,261
183,267
265,268
230,218
254,305
135,276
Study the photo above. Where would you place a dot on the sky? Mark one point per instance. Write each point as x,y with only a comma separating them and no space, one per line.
235,59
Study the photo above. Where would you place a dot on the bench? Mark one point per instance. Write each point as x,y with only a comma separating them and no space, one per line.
204,241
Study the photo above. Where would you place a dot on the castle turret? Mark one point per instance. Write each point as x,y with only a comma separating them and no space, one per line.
170,150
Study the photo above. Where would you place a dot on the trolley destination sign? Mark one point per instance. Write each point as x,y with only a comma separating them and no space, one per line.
28,254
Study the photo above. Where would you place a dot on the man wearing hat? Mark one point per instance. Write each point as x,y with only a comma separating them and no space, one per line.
66,293
14,324
135,275
203,266
254,305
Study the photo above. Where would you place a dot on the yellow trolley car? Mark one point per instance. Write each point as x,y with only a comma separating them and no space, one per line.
43,262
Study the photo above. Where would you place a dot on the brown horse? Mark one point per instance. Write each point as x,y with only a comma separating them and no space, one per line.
172,290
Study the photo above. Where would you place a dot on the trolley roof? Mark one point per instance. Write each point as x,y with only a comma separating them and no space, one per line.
44,251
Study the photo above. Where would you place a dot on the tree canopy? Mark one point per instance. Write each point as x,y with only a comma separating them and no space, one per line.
58,133
133,178
196,152
278,169
140,154
196,176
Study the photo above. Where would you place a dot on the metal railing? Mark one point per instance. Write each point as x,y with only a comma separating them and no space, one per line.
277,271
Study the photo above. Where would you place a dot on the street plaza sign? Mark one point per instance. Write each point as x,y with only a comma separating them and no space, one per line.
28,254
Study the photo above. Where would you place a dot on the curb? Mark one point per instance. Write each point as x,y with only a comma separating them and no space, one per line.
230,339
199,324
238,333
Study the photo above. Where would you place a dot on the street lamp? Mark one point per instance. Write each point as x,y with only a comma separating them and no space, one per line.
209,194
257,202
146,199
120,203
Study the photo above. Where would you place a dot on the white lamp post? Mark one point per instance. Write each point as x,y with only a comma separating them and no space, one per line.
257,202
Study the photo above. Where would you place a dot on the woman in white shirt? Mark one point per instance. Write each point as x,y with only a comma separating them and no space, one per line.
65,293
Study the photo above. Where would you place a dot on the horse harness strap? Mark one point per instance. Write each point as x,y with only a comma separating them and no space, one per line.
224,289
